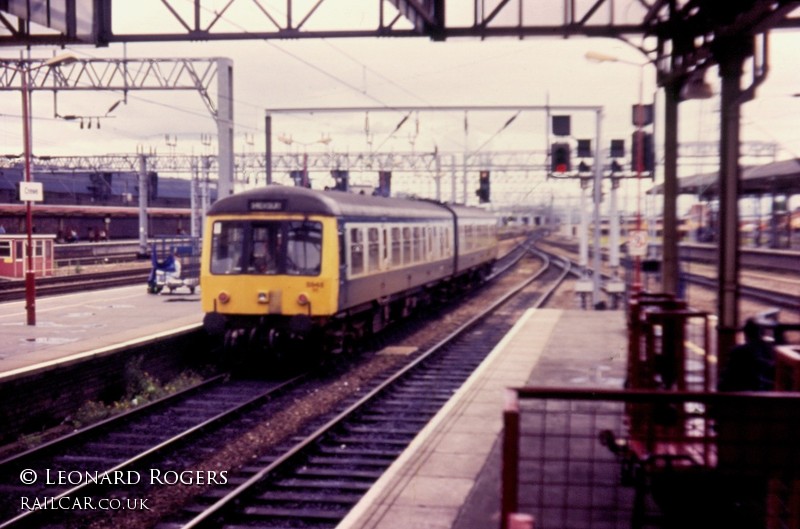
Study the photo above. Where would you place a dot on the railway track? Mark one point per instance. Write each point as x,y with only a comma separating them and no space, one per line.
151,438
781,300
772,260
783,294
80,464
315,482
49,286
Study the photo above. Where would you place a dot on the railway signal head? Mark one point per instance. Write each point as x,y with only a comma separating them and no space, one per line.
384,184
342,178
642,155
561,125
560,162
617,148
584,148
484,187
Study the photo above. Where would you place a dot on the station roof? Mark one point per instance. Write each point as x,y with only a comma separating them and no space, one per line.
775,177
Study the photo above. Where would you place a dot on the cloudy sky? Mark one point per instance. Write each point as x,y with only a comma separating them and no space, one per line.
387,73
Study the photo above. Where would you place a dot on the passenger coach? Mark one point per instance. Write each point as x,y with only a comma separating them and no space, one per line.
287,263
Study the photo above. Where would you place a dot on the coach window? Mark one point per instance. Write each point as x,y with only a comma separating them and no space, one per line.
397,248
374,250
417,245
356,252
407,256
226,247
5,249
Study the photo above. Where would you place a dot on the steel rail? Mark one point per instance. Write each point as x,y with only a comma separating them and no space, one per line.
194,430
233,497
50,286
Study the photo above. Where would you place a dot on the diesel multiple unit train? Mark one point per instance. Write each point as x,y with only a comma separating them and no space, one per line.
288,264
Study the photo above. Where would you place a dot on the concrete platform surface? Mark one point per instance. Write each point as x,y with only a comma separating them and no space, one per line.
74,326
449,475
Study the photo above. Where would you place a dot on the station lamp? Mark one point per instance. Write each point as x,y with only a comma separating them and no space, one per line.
25,71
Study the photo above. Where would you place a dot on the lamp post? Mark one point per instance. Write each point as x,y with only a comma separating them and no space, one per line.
639,162
30,274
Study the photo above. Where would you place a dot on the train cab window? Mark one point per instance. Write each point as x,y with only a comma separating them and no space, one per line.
267,247
374,250
303,248
227,243
356,251
266,238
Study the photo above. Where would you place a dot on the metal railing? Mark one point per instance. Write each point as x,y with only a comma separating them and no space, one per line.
651,458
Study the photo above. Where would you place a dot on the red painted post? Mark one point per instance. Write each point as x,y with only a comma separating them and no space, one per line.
30,275
520,521
510,464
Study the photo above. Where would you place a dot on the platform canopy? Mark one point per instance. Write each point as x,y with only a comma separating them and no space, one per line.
773,178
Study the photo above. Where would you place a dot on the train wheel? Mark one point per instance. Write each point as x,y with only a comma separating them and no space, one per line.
234,350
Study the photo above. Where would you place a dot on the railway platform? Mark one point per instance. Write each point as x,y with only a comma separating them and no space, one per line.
449,477
71,328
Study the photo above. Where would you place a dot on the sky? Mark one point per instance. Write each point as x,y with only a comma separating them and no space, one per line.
393,72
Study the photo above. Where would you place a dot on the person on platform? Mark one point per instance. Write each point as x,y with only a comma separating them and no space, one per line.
751,365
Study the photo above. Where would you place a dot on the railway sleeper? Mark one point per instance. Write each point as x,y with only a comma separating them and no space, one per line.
401,430
320,472
299,483
373,441
352,461
291,496
303,514
352,451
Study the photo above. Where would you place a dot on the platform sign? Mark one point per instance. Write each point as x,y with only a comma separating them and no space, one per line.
31,191
637,243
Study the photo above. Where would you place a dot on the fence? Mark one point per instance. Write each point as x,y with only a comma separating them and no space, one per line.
640,458
669,345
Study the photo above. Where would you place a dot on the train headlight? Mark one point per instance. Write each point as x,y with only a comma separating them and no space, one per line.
223,297
303,300
263,298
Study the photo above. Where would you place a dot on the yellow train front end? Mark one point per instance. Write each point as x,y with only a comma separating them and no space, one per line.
268,279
